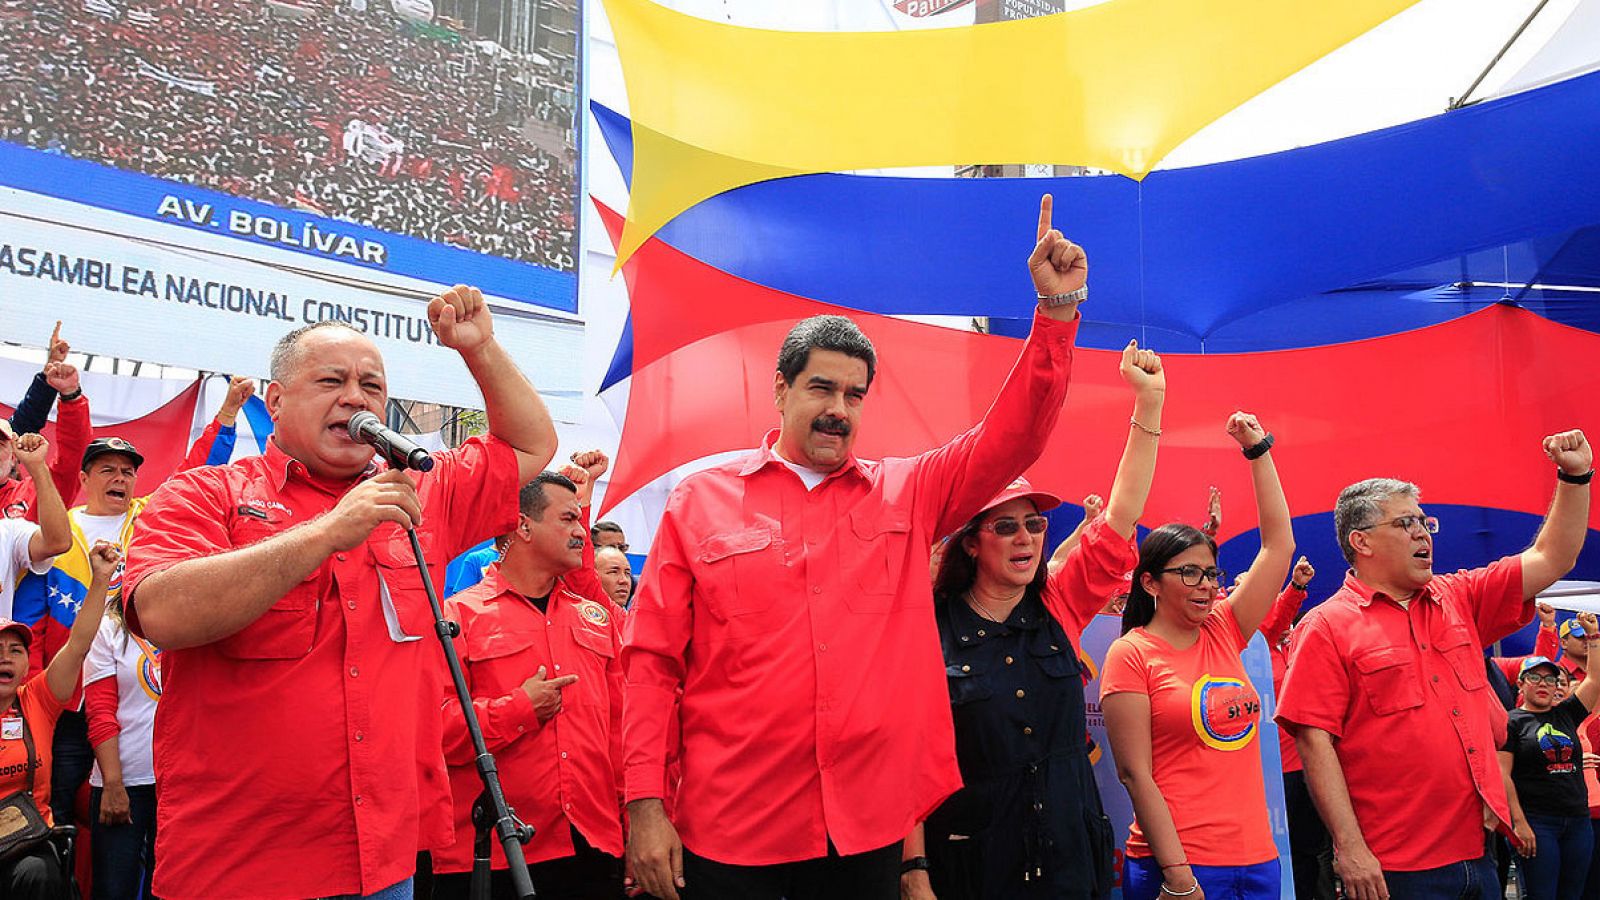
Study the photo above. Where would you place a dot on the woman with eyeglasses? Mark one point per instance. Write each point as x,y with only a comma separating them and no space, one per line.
1544,756
1181,713
1028,824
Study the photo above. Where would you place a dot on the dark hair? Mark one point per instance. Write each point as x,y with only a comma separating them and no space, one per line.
600,528
1158,548
532,500
958,570
824,333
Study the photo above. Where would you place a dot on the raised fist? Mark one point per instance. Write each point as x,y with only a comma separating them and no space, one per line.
1093,505
63,376
1303,572
1571,451
1244,428
1141,369
33,451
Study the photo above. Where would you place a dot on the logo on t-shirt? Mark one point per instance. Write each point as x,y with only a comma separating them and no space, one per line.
1225,712
1557,750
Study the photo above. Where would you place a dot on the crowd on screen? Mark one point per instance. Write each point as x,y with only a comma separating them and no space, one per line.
267,100
834,677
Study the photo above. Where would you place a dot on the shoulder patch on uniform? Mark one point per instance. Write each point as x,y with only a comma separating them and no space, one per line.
593,612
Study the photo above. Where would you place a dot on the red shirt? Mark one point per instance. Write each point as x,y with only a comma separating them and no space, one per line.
559,773
19,496
1547,645
799,625
1277,628
1404,694
288,752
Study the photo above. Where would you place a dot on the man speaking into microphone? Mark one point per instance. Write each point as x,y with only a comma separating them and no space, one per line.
300,674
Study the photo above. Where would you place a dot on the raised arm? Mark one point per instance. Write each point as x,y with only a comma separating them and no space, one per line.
66,669
1093,505
1141,369
54,536
1251,602
34,409
1288,603
953,481
73,429
1555,550
215,445
517,415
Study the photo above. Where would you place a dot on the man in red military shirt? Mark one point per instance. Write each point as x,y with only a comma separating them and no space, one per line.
785,597
538,643
1386,687
300,677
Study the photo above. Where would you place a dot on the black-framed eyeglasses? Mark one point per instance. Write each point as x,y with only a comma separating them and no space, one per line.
1192,574
1430,524
1551,680
1036,524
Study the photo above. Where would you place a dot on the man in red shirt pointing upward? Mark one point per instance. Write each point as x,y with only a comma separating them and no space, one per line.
301,680
786,599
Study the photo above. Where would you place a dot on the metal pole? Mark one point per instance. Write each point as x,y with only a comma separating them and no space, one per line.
1457,104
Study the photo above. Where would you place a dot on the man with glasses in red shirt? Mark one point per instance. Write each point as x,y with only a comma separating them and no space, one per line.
786,596
1387,696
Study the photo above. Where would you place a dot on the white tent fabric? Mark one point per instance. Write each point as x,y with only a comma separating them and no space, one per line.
1572,51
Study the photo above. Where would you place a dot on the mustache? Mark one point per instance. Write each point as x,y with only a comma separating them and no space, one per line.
831,425
575,544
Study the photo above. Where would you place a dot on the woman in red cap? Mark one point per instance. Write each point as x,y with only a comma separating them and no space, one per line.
1182,715
27,725
1028,823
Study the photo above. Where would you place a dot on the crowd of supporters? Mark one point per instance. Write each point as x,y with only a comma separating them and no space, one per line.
342,109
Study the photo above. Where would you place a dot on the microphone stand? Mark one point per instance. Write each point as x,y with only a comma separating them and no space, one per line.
489,812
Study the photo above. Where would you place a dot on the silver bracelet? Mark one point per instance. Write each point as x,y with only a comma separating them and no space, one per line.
1054,300
1172,893
1153,432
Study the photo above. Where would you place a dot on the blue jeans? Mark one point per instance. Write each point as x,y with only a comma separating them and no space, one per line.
124,855
400,890
1474,879
1141,880
1559,866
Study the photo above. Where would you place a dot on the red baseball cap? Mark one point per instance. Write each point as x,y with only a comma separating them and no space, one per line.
23,632
1020,488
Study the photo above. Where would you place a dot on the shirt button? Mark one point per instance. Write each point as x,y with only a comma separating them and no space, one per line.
358,799
980,632
1009,660
1424,646
352,604
1456,711
1021,693
816,590
340,557
520,729
1027,729
563,754
822,648
966,668
1435,679
558,667
354,672
964,638
360,737
1054,647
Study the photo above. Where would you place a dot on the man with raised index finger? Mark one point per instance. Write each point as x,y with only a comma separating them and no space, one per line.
785,600
300,676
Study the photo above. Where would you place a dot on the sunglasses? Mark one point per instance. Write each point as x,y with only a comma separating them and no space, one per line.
1008,526
1192,574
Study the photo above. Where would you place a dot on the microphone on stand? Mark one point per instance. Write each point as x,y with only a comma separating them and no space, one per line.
400,451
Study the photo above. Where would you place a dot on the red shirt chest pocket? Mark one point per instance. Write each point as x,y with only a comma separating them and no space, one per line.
1455,643
741,572
594,655
407,612
1389,678
501,659
288,629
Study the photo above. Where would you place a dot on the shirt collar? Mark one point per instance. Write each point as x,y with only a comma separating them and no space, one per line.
972,629
281,465
765,455
1365,594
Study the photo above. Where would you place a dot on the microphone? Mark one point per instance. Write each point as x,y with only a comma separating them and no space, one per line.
400,451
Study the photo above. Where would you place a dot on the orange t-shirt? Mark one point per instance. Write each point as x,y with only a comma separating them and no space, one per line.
41,710
1204,719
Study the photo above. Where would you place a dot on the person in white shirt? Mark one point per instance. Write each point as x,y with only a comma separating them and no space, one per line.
24,546
121,686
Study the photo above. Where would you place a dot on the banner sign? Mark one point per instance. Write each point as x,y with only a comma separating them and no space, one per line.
263,224
142,289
